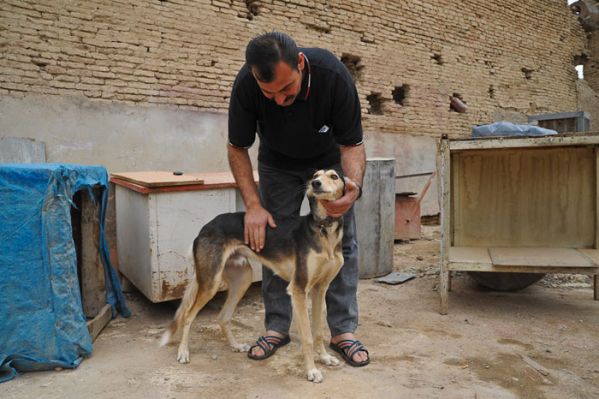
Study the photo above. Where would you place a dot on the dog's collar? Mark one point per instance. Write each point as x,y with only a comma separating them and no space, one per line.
325,223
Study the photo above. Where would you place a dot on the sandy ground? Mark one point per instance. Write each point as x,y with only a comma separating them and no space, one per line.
542,342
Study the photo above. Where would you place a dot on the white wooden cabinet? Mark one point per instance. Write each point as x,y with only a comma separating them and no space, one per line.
156,228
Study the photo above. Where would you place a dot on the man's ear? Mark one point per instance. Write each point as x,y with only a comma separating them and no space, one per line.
301,61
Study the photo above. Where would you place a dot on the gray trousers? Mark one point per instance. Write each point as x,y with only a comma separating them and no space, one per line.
282,192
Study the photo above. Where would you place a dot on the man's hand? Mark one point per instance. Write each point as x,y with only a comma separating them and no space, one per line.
254,232
339,207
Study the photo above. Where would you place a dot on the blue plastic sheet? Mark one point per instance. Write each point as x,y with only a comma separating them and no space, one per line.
509,129
42,325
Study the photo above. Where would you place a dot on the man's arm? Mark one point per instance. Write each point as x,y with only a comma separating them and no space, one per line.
353,163
256,216
241,167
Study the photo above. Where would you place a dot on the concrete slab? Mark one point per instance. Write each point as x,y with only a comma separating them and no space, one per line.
21,150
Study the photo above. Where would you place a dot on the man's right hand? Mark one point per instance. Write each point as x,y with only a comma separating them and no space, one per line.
254,231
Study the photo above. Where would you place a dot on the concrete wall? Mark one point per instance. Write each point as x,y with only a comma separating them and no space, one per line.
588,101
21,150
413,155
119,136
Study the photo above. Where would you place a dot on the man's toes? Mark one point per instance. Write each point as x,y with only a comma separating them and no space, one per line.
258,352
360,357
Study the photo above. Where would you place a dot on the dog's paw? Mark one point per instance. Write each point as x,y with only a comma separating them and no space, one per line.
241,348
314,375
329,360
183,356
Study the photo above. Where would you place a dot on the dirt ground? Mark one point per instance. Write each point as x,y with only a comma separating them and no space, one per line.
542,342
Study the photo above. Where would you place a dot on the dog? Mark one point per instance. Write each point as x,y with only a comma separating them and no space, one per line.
304,251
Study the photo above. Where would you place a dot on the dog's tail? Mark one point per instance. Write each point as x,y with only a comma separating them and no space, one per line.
186,304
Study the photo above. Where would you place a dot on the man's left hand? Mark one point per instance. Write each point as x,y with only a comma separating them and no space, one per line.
339,207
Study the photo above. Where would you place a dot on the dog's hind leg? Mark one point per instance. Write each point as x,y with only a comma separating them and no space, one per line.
203,296
300,314
318,293
238,275
186,303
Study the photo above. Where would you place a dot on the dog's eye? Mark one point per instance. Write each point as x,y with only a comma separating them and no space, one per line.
334,177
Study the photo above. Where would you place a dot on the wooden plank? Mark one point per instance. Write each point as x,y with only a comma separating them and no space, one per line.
591,138
596,259
98,323
537,367
596,197
158,178
539,257
592,254
93,284
485,267
478,255
211,181
445,181
502,197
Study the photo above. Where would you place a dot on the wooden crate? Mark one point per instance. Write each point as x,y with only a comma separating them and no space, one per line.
519,205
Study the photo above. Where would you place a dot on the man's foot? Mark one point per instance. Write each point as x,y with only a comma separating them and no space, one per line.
352,350
267,345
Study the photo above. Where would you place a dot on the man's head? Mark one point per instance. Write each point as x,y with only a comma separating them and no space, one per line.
277,66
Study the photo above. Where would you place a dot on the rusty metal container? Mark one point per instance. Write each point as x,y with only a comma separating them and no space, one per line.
407,212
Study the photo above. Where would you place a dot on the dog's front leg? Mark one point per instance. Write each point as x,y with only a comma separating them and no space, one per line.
318,297
300,313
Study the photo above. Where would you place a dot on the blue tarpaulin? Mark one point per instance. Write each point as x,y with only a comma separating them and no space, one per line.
42,325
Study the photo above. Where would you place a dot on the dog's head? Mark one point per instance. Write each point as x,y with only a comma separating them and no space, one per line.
326,185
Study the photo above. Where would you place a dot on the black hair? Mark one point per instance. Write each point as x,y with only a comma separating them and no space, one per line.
264,52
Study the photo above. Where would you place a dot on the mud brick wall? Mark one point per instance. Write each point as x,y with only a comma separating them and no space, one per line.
591,67
511,57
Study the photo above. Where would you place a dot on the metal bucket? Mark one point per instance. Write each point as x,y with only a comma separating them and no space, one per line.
375,218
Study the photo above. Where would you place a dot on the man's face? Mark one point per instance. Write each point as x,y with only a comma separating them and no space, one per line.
286,85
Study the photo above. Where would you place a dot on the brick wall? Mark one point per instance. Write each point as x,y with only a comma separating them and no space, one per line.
591,67
513,56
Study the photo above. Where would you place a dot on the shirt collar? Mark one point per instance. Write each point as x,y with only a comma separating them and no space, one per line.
304,94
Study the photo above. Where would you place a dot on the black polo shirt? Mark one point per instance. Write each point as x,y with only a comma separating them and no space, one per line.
307,133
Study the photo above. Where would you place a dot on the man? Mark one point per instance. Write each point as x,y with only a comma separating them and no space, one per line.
305,108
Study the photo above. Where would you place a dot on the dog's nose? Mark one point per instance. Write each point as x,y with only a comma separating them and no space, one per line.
316,183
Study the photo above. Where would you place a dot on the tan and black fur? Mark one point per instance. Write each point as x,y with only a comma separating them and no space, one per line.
306,252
